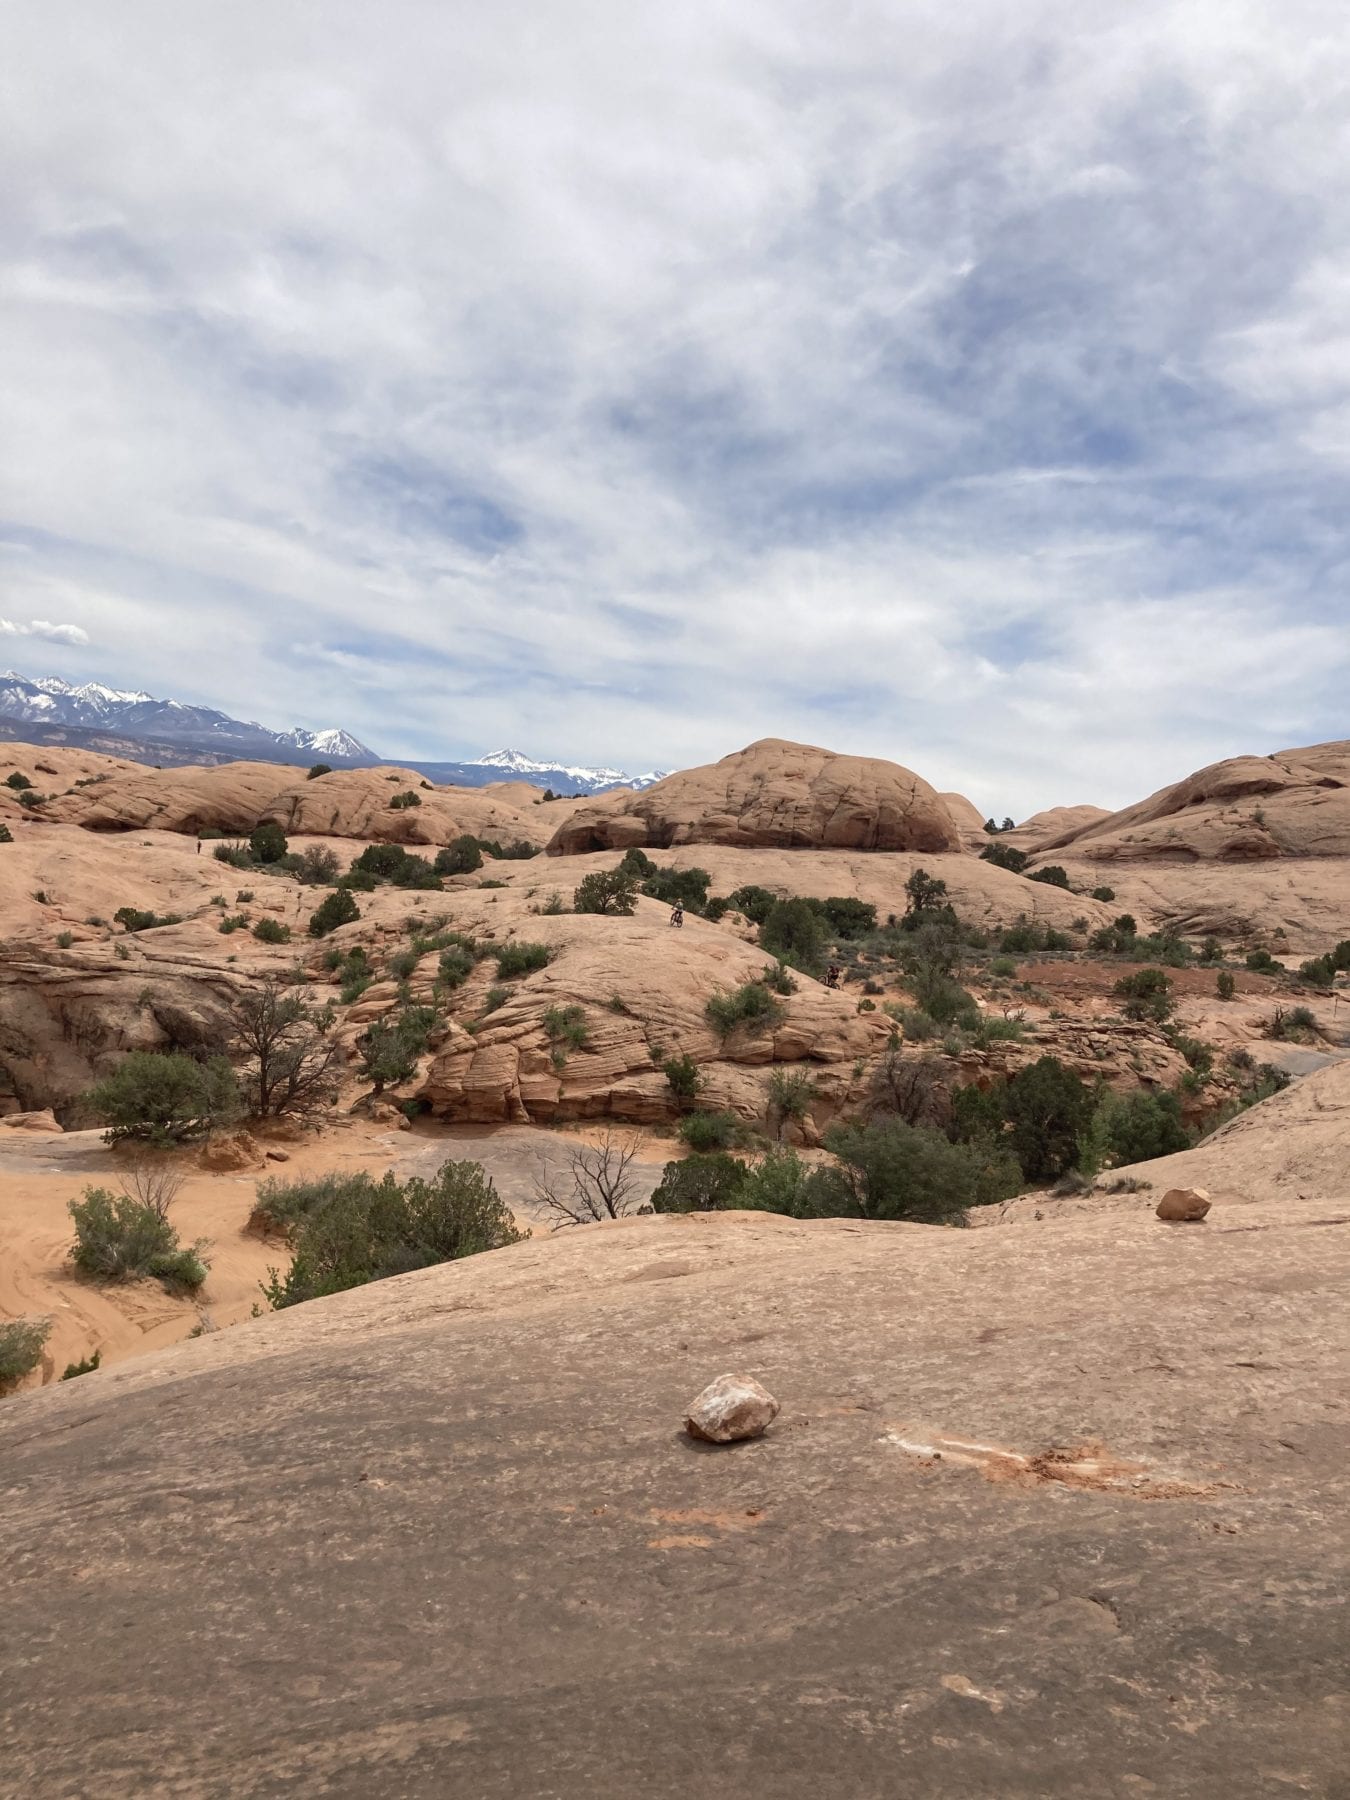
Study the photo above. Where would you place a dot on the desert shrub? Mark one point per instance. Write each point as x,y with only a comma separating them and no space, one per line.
791,1092
684,1079
1340,956
272,931
924,894
1003,966
1026,936
316,866
751,1005
401,802
777,977
235,922
85,1366
637,864
1052,875
236,856
1197,1054
390,1048
461,857
267,842
891,1170
846,917
688,887
1039,1114
21,1342
455,966
130,918
1146,994
337,908
1261,962
1211,951
1105,894
64,939
358,881
700,1184
1318,971
704,1131
118,1237
319,769
779,1182
353,1229
1292,1024
943,999
494,998
1224,985
566,1027
614,891
795,932
755,903
403,964
1003,856
164,1097
521,959
1140,1126
989,1030
18,781
6,835
392,863
289,1059
916,1024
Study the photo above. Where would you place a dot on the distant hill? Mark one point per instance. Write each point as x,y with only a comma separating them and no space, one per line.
118,722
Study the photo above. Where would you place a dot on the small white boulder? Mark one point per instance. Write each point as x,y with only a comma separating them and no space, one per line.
731,1408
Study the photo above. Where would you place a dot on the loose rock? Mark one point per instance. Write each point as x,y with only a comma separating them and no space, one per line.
1186,1206
731,1408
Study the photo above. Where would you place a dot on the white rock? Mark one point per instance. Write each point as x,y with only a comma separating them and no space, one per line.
730,1408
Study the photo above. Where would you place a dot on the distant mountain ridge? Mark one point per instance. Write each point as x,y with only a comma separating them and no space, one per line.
142,728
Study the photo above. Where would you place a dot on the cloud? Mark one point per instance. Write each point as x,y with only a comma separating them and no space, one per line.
43,628
974,393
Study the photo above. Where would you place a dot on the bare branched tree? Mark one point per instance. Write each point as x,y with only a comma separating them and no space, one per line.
152,1180
914,1088
596,1183
292,1064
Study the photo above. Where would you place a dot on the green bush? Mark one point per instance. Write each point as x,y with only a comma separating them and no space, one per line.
778,1182
1137,1127
494,998
751,1005
1003,856
130,918
337,908
350,1230
756,903
1318,971
611,892
455,966
316,866
164,1097
795,932
1025,937
118,1238
1225,986
6,835
791,1092
401,802
85,1366
891,1170
1261,962
391,1047
566,1028
700,1184
1340,956
319,769
21,1342
522,959
267,842
392,863
704,1131
1105,894
638,864
847,918
688,887
461,857
237,856
1146,995
20,783
1053,876
1003,966
1040,1115
685,1080
272,931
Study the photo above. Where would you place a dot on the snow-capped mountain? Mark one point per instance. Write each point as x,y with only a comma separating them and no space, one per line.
48,701
136,725
514,762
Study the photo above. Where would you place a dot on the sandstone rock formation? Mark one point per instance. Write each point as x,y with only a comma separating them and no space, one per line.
731,1409
1246,809
773,793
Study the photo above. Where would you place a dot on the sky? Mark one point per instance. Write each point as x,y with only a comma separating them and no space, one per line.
623,382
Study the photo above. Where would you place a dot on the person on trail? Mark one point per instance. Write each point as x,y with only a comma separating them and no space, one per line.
677,913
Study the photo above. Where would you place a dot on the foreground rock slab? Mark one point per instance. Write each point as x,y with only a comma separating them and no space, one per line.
730,1409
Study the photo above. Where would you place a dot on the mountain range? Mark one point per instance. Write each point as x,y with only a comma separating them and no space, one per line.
46,710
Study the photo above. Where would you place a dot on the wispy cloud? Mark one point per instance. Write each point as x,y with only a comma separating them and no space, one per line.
43,628
969,390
